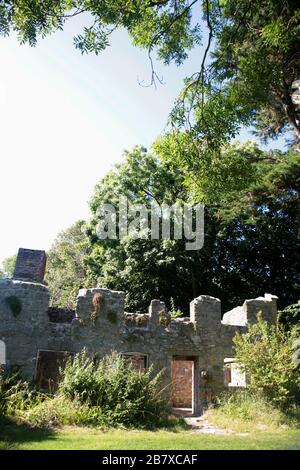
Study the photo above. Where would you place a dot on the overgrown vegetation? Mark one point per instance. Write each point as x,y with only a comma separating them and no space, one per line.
16,395
106,392
59,411
266,353
115,390
246,411
290,316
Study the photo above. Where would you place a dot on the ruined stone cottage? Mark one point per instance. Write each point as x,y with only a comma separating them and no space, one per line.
193,350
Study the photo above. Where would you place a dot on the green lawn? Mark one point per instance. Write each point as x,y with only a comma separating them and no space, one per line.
18,437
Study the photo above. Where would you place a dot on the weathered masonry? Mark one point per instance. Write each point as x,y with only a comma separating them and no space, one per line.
191,350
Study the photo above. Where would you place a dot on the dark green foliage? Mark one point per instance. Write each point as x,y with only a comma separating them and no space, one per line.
142,268
290,315
15,305
251,246
66,271
251,241
114,391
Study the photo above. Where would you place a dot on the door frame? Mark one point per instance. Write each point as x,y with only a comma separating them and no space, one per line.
195,380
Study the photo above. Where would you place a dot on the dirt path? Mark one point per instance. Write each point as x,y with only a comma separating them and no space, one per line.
200,424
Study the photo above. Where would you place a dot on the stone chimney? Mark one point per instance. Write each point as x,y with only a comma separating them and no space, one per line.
30,265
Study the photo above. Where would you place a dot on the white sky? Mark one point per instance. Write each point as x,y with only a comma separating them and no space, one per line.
65,119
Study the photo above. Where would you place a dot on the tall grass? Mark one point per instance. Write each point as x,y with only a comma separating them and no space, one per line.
17,395
119,393
107,392
245,411
59,411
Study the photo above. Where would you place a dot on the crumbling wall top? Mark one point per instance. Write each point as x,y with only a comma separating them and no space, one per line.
247,313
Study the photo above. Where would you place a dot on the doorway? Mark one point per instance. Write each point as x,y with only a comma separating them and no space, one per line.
183,385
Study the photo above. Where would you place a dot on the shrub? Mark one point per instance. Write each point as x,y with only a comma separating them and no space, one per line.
58,411
267,356
112,387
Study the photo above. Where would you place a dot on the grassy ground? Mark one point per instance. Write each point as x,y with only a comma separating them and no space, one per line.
246,413
75,438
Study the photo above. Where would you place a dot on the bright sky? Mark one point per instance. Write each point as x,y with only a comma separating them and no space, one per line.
65,119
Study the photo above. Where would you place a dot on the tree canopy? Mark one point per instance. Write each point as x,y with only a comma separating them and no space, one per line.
250,59
251,246
9,266
66,272
254,49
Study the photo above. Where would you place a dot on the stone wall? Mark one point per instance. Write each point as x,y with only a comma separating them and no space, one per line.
61,315
265,307
24,322
101,327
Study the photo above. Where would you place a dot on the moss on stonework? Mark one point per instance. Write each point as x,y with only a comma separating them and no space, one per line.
15,305
112,317
164,318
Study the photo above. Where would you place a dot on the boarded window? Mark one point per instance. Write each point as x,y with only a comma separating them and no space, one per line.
48,368
138,361
2,353
233,376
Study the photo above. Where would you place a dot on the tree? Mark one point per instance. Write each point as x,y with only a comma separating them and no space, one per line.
143,268
249,63
9,266
250,58
258,245
66,271
290,316
251,244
